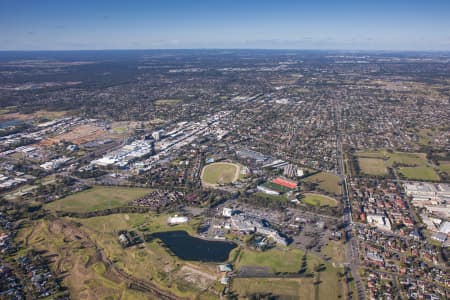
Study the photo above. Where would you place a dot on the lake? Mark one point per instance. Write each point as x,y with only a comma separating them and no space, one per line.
188,247
9,123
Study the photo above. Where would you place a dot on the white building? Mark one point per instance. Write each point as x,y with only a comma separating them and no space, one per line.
122,156
434,197
424,191
176,220
267,190
55,163
380,221
156,135
104,161
245,224
439,236
445,227
227,212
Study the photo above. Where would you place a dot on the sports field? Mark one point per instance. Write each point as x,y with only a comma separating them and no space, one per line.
220,173
372,166
444,166
276,187
335,250
391,158
319,200
97,198
418,159
412,165
325,285
286,260
327,182
168,101
281,288
419,173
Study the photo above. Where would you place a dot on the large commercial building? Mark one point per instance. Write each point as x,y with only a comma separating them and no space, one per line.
434,197
247,224
424,191
121,157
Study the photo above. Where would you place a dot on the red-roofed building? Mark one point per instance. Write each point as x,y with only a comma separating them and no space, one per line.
400,203
408,222
285,182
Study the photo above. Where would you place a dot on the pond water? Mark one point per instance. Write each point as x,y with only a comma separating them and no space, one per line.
9,123
188,247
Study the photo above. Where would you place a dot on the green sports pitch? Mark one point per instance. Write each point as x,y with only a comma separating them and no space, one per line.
220,173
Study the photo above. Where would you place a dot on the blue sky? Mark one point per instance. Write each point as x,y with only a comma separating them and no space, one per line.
277,24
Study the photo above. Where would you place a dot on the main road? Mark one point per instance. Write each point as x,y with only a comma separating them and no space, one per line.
352,257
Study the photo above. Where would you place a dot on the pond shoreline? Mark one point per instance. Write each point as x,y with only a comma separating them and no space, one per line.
193,248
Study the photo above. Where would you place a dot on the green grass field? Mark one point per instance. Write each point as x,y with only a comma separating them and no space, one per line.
405,158
151,222
329,286
444,166
262,195
372,166
327,182
220,173
425,136
277,260
97,198
335,250
116,222
319,200
413,166
419,173
417,159
282,288
373,154
168,101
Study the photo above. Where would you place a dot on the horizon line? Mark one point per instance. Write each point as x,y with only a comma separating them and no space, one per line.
229,49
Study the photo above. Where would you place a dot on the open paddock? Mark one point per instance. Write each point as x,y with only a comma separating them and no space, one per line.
392,158
97,198
444,166
419,173
281,288
372,166
327,182
78,135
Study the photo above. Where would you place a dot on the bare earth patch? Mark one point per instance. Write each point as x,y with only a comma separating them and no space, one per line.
197,277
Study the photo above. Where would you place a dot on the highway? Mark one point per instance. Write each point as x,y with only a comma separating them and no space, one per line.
352,258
